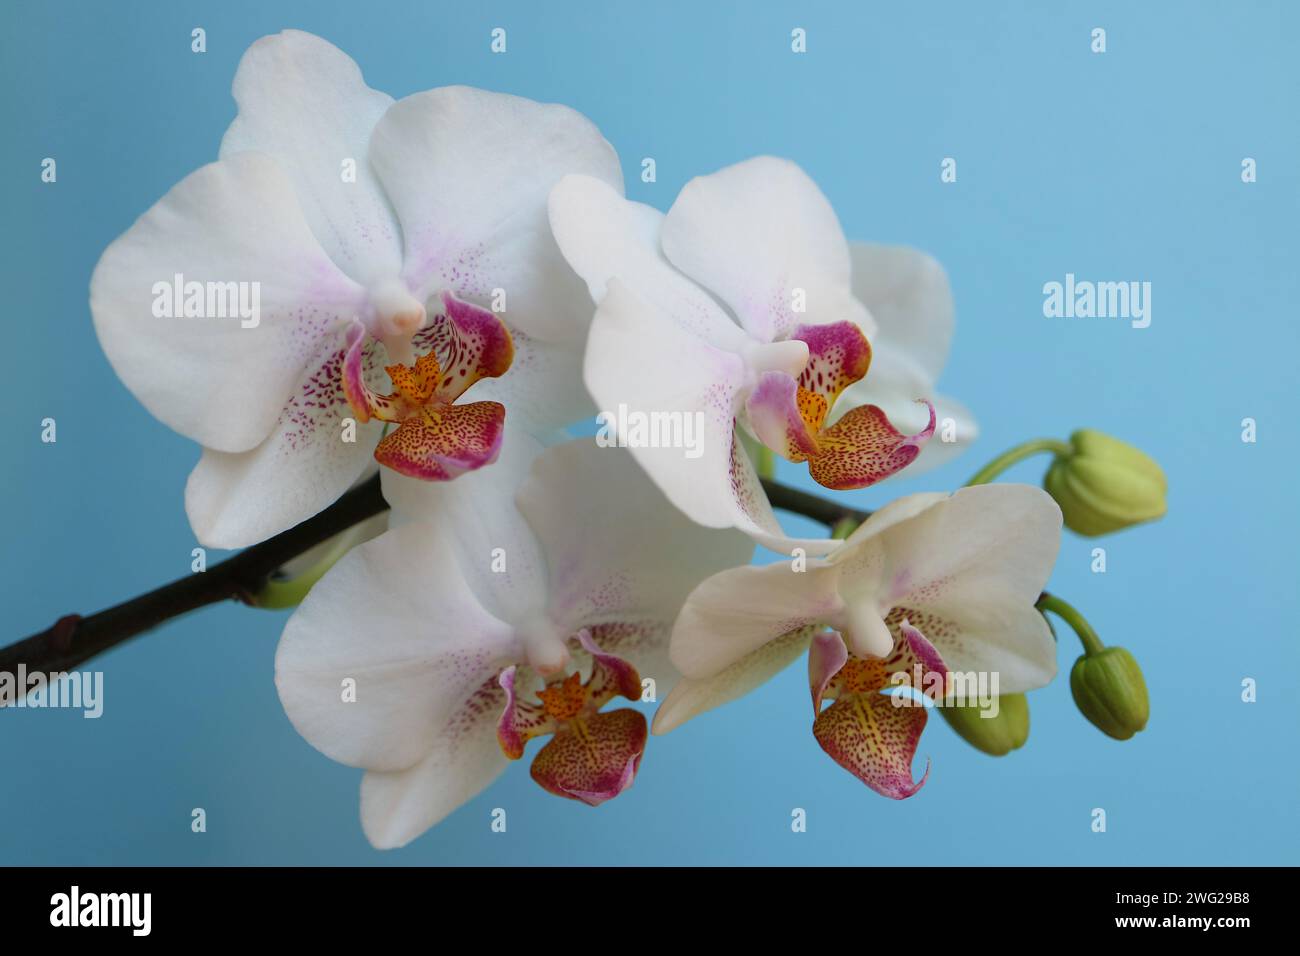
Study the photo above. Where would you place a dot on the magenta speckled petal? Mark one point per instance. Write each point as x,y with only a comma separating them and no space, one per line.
838,355
520,722
826,656
471,343
593,762
445,441
775,415
863,448
874,738
364,401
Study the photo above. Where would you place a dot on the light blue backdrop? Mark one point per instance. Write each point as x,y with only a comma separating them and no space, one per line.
1117,166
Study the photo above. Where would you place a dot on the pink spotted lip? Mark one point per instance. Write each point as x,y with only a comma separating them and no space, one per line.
592,756
789,414
437,439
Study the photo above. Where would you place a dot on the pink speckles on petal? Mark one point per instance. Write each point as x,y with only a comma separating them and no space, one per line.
594,798
826,657
593,759
592,756
520,721
863,448
788,415
471,343
913,648
871,734
838,355
363,400
775,416
874,738
442,442
313,414
611,676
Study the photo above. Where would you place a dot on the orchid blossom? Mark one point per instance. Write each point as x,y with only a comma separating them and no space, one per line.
363,233
473,626
909,298
764,240
928,585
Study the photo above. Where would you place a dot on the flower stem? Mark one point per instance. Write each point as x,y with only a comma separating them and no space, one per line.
812,506
1087,636
844,527
74,639
1018,454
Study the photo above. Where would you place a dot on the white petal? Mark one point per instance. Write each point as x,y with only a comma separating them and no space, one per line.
736,612
468,172
1010,639
910,417
303,101
340,544
213,379
690,698
396,617
617,550
397,807
237,499
896,512
604,236
477,514
908,294
639,363
976,562
759,234
543,389
331,549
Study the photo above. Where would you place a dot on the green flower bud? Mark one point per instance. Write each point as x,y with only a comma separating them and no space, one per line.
997,736
1105,484
1109,690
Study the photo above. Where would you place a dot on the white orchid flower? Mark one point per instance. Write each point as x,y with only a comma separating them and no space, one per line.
908,295
929,585
253,306
762,238
472,626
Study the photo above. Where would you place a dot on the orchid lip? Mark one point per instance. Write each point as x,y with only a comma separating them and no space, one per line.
593,754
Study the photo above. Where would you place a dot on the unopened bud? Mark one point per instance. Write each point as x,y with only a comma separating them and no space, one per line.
1109,690
1105,484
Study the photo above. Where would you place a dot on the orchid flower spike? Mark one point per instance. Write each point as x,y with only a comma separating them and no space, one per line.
736,310
341,235
433,654
930,588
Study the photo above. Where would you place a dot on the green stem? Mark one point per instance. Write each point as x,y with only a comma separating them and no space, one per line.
289,592
1087,636
845,527
1018,454
763,457
248,577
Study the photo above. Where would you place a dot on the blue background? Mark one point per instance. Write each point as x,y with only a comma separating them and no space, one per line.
1117,166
